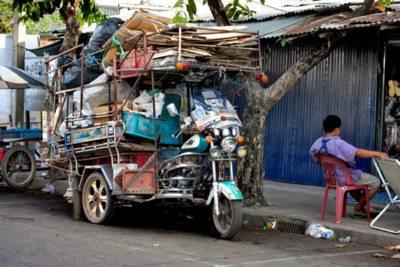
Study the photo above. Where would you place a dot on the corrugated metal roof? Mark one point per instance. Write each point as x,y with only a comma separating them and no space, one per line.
314,23
275,28
271,9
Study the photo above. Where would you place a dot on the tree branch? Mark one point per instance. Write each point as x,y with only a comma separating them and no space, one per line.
219,13
364,9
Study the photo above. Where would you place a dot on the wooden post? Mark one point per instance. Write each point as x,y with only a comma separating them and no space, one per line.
19,62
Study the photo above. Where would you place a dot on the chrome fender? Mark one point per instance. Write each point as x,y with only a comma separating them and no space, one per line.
229,189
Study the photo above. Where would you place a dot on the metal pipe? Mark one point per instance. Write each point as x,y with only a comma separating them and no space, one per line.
382,100
179,43
63,53
81,104
115,82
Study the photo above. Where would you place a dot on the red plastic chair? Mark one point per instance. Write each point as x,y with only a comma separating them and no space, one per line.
330,165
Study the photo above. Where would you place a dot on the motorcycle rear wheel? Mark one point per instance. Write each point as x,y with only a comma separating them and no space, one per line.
229,221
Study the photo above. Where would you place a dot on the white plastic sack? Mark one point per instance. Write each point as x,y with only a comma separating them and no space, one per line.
319,231
98,95
145,101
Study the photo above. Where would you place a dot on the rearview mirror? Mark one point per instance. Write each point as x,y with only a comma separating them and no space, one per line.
172,110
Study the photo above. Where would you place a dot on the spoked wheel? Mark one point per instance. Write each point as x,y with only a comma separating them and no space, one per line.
18,167
229,221
98,203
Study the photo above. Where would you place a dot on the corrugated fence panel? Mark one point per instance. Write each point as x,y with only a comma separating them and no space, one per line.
344,84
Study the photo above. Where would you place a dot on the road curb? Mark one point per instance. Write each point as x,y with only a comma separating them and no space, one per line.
252,219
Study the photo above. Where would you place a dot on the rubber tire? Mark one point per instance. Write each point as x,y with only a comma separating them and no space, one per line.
236,221
111,200
4,166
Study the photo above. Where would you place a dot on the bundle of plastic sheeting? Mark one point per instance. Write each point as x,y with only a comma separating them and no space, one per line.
143,104
99,94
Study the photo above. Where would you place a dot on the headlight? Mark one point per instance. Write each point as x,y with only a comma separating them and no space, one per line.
228,144
215,152
234,131
216,132
226,132
242,152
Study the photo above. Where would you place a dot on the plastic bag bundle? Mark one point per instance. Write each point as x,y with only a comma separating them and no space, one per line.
91,68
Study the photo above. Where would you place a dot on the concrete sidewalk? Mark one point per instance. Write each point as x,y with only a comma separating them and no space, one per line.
296,206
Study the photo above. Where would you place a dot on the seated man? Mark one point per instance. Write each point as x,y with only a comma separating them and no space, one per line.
333,145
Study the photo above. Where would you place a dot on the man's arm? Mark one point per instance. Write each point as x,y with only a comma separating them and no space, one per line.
363,153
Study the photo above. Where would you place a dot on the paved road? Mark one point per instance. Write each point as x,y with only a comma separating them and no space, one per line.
37,230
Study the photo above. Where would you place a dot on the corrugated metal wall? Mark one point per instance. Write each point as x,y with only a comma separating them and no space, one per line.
343,84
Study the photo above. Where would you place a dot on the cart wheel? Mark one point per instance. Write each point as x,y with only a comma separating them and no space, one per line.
18,167
98,203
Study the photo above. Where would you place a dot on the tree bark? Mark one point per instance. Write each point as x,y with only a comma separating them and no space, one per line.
219,13
250,169
68,12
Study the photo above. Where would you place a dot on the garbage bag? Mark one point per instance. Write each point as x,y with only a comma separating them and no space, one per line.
72,76
91,68
101,34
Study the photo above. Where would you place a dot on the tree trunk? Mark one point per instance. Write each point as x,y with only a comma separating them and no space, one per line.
259,102
219,13
250,170
68,12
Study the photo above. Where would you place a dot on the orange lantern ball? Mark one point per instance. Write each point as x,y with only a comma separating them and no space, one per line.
180,66
240,139
265,79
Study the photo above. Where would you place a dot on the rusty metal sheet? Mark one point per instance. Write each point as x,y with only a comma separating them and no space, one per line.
365,21
314,23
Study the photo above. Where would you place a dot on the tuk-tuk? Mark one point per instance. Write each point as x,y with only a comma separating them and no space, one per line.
154,127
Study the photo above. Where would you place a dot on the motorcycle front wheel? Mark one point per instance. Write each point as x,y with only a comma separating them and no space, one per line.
229,221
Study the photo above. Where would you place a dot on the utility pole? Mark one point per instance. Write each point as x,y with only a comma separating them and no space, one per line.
18,61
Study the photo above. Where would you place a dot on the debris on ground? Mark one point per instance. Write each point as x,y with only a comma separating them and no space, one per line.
381,255
390,254
345,239
396,256
156,245
340,245
393,248
49,187
319,231
386,256
270,225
